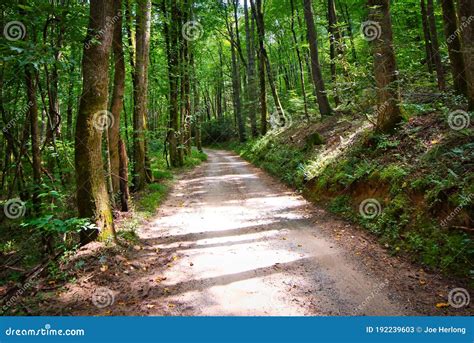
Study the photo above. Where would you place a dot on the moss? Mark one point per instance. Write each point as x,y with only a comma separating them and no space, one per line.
312,140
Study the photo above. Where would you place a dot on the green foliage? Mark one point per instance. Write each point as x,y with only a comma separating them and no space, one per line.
49,224
217,131
341,205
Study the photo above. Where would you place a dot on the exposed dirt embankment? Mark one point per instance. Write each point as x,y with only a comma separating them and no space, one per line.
417,184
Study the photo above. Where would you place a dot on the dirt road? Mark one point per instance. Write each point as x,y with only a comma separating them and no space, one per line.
246,245
231,240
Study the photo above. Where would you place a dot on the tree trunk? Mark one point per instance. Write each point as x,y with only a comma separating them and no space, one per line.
171,33
117,98
435,45
263,52
333,49
300,62
92,196
466,10
427,36
236,81
261,72
385,67
141,174
251,80
454,46
123,173
323,102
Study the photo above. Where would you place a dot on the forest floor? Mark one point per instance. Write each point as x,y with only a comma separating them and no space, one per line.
231,240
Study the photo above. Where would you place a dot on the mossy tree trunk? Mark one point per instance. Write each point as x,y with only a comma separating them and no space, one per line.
385,67
92,195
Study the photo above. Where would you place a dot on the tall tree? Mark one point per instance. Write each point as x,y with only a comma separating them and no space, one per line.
263,52
427,37
466,10
116,106
435,45
251,80
171,32
385,67
92,196
454,46
298,56
261,69
236,86
334,47
141,172
323,102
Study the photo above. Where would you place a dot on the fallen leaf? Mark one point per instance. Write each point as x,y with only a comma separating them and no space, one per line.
171,305
150,305
422,282
104,268
191,264
441,305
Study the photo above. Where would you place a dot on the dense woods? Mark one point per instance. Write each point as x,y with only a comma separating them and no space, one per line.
101,98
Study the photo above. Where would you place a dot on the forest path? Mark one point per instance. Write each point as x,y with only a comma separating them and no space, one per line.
244,244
